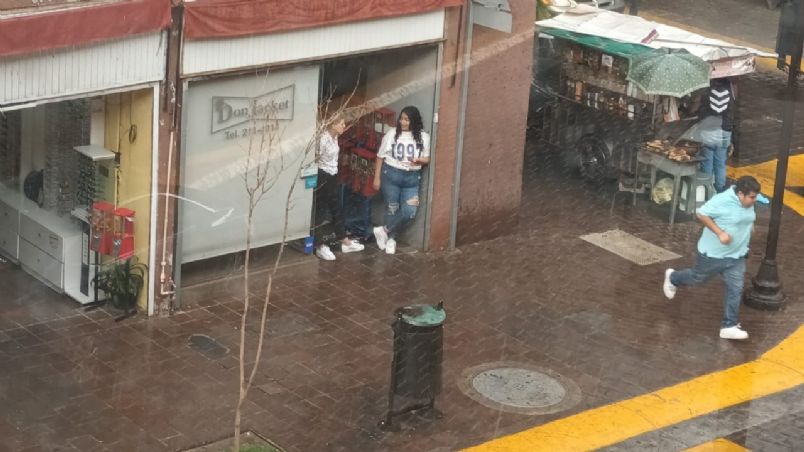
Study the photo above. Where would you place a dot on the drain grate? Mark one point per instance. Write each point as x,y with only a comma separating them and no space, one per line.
208,346
519,388
630,247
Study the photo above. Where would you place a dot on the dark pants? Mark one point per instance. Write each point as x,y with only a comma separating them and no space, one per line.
327,205
633,7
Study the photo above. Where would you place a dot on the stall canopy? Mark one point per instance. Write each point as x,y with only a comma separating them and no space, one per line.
28,31
727,59
606,45
232,18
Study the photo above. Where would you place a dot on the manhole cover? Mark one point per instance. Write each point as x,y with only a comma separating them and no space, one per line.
519,388
207,346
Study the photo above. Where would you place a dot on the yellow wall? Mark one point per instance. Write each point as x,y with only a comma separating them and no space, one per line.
134,182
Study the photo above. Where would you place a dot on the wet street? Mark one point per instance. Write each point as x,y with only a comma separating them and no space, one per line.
76,380
604,360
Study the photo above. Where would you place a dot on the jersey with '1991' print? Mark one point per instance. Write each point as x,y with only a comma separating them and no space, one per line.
401,151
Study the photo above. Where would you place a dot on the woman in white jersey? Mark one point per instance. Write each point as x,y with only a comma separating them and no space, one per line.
397,173
326,194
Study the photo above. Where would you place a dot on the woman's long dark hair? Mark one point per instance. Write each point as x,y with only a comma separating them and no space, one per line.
416,125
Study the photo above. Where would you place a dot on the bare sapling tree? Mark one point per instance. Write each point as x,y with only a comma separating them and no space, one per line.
269,155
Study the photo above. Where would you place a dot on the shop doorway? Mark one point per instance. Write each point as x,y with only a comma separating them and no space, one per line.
211,232
385,82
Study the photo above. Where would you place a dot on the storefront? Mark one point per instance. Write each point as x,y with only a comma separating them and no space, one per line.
78,129
231,82
59,159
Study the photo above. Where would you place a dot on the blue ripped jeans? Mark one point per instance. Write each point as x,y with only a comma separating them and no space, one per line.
731,269
400,190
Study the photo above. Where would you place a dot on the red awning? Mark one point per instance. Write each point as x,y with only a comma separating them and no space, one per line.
81,25
229,18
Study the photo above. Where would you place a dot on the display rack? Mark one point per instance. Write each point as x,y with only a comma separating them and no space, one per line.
91,174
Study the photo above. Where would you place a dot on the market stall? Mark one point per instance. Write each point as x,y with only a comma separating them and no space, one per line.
621,85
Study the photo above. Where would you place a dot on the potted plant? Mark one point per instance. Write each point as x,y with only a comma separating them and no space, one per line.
122,283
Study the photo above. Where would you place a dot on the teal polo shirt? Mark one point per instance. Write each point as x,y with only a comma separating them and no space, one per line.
727,212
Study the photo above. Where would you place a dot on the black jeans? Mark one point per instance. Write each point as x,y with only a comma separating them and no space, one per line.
326,204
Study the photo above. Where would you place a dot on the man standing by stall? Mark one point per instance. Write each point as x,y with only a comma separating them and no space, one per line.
716,124
729,220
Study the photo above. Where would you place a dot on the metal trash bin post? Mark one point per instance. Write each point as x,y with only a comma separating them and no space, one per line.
416,365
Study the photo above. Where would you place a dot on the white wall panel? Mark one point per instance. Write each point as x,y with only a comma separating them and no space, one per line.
66,72
215,152
214,55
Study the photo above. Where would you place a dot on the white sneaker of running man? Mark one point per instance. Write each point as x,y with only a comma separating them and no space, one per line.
733,332
668,287
380,236
352,247
323,252
390,247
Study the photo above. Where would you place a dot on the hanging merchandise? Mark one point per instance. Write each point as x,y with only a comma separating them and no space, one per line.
67,125
87,189
671,110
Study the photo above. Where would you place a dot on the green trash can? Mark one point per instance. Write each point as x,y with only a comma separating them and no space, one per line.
417,359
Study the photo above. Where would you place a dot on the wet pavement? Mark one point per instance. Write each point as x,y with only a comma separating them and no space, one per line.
747,22
75,380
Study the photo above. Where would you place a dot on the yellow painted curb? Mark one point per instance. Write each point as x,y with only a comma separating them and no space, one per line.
718,445
765,174
779,369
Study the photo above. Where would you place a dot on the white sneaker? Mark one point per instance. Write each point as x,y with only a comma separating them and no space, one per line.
323,252
734,332
352,247
668,287
381,237
390,247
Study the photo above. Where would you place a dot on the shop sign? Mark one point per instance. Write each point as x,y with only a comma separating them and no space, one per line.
230,112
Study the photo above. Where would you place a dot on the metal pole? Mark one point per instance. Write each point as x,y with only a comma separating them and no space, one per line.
456,184
766,292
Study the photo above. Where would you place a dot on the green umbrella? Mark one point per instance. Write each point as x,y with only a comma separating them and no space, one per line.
668,72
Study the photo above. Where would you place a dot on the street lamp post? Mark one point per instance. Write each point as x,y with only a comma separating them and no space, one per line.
766,292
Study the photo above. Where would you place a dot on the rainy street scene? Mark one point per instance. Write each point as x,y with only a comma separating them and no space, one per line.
402,226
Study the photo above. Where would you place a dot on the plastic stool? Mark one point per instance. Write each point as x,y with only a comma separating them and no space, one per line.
700,180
